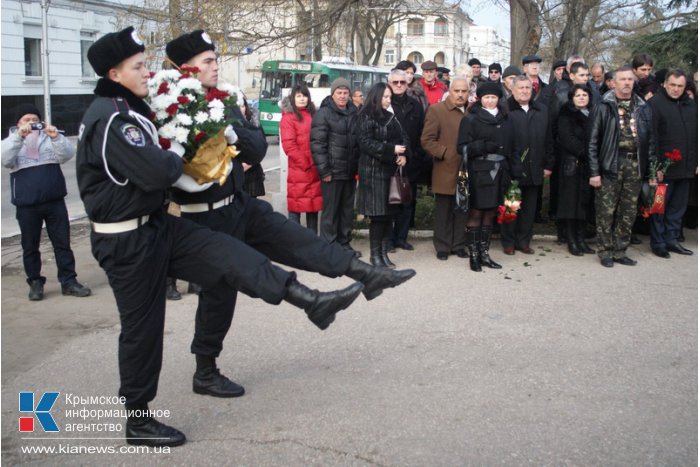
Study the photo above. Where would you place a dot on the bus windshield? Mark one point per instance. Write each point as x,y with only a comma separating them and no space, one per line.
273,82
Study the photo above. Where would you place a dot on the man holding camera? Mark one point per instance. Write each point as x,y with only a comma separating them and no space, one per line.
33,152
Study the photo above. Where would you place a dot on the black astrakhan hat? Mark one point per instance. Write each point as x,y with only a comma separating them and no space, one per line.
113,48
496,66
474,61
183,48
489,88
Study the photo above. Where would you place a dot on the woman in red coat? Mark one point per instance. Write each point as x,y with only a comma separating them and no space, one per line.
303,182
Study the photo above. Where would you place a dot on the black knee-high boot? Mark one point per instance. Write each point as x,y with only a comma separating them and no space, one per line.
571,238
484,245
376,232
473,247
387,244
580,236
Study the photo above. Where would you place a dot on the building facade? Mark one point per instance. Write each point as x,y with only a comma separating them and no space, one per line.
73,26
488,46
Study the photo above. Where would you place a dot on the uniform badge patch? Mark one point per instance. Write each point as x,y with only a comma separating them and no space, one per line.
133,135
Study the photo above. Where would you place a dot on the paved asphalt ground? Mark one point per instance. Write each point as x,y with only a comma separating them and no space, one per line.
553,360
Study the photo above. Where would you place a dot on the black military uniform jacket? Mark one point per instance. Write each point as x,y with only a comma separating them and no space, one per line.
131,177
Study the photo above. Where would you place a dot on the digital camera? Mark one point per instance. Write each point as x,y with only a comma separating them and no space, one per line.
37,126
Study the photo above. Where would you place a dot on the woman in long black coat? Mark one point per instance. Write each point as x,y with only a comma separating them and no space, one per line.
572,164
383,147
487,137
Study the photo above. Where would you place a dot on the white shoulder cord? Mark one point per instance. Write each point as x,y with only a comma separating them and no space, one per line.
146,125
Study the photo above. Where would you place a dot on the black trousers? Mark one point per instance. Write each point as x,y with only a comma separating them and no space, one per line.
518,233
30,219
338,207
667,227
137,264
449,235
282,240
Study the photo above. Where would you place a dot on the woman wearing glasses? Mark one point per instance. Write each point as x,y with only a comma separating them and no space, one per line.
383,148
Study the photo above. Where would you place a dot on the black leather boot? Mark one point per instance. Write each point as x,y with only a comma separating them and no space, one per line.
377,278
321,307
484,245
571,238
208,380
144,430
580,236
473,247
375,245
386,244
171,292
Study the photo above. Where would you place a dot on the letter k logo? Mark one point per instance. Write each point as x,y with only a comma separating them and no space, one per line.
41,411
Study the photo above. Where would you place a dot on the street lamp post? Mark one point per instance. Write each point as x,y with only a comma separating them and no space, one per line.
45,57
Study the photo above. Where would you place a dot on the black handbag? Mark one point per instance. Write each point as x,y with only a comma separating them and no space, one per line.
399,188
462,190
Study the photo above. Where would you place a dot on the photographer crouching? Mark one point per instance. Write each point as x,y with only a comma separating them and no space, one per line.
33,152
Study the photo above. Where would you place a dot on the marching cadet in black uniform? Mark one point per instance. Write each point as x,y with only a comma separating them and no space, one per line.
227,208
123,177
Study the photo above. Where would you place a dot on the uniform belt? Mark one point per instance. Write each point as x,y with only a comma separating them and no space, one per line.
204,207
119,227
632,156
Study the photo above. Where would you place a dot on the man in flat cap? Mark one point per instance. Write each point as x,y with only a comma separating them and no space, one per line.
531,69
229,209
123,177
434,89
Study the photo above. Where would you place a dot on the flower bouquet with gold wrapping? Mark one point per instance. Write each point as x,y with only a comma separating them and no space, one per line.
192,122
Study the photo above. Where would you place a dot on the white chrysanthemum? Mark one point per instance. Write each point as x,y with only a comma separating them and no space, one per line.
217,114
181,134
183,119
168,131
191,97
189,84
162,101
216,104
232,90
201,117
161,115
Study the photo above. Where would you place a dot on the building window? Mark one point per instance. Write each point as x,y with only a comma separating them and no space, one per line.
440,27
32,57
86,40
389,56
440,58
416,57
415,27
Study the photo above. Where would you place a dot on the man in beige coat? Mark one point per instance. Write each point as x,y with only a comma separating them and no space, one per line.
439,140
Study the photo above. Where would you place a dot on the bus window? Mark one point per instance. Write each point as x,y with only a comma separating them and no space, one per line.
273,83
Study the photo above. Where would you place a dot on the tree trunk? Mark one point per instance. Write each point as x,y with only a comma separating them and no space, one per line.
175,13
525,29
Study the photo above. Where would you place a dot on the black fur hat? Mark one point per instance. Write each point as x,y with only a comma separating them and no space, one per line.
183,48
113,48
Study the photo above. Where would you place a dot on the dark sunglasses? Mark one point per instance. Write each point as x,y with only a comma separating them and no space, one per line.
398,82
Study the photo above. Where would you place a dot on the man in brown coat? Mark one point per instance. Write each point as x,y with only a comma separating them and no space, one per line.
439,140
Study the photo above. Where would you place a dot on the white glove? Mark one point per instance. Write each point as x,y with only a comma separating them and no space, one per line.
189,184
231,136
177,148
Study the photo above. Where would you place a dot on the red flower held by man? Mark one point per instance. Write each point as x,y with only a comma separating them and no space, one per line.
216,94
164,143
674,155
163,88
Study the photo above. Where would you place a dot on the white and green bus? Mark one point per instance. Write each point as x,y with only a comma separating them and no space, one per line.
279,76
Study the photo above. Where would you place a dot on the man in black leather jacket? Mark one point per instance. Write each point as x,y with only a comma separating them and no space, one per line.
619,149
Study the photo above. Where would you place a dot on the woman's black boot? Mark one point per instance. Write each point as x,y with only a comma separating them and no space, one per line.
484,245
571,238
473,247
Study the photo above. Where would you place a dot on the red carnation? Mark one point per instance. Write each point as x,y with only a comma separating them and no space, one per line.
200,136
172,109
189,69
163,88
216,94
152,74
674,155
183,100
164,143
